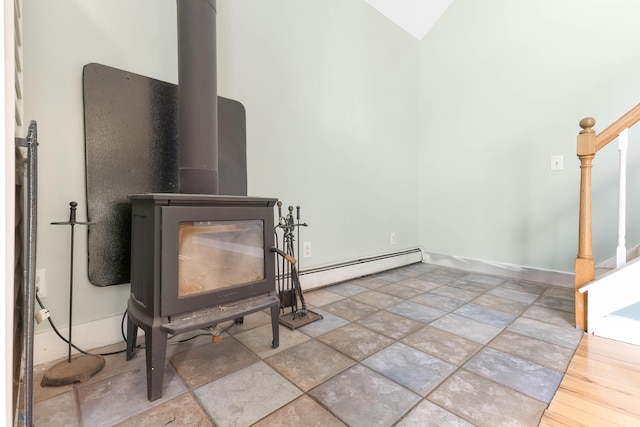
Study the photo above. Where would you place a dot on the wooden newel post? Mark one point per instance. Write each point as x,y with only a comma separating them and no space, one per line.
585,266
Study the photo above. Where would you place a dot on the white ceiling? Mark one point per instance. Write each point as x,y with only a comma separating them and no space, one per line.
415,16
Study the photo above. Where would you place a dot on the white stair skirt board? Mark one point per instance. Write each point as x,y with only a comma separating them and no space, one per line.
99,333
328,275
611,292
512,271
617,328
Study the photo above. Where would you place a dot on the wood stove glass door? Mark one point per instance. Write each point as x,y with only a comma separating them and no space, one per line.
213,255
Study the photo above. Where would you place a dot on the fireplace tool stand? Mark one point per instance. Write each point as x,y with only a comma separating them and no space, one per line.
289,288
81,367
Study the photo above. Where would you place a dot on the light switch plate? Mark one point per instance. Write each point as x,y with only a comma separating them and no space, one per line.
557,163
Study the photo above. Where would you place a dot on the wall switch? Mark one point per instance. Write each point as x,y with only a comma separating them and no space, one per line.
41,282
392,238
306,250
557,163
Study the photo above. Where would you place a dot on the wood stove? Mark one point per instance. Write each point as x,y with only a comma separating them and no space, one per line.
197,258
197,261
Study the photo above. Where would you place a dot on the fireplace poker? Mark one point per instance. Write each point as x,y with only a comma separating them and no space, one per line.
285,286
288,257
296,292
279,276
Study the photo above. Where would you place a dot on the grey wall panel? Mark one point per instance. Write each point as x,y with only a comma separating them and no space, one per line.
131,146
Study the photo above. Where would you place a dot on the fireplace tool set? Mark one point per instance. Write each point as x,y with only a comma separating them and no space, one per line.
287,278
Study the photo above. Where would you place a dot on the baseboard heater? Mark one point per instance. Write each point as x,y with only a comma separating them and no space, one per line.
327,275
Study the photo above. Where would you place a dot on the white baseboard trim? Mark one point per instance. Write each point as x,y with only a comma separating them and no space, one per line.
330,274
47,346
511,271
99,333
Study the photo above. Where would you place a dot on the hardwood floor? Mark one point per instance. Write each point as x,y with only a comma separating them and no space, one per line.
601,386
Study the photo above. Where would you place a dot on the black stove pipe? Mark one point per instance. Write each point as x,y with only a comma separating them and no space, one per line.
197,97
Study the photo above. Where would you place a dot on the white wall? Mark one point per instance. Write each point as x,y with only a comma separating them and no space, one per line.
367,129
60,37
332,120
332,108
503,86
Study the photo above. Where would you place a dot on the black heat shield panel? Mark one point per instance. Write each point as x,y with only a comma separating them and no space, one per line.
130,124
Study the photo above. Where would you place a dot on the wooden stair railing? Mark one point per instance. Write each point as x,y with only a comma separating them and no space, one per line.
588,144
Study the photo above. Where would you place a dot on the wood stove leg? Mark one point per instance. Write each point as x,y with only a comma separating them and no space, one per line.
156,351
132,336
275,325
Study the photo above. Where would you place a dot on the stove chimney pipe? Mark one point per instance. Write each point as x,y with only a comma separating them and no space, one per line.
197,97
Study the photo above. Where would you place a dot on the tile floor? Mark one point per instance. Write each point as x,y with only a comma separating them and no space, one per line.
421,345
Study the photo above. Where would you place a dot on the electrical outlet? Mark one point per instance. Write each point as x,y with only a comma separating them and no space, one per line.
41,282
392,238
306,250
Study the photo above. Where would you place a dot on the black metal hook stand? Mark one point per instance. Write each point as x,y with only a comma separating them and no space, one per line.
81,367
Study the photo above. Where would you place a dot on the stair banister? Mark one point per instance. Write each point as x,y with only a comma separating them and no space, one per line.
584,266
588,143
609,134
